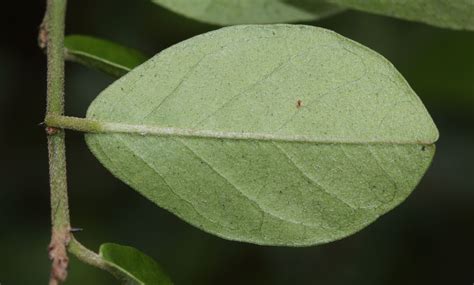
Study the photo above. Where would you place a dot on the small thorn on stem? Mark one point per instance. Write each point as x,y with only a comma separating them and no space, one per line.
75,230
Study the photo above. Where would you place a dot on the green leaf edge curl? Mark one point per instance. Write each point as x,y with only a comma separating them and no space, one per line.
146,272
103,55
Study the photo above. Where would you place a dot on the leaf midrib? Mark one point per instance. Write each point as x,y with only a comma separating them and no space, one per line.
152,130
101,127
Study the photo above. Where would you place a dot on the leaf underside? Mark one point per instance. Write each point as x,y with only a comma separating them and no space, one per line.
103,55
231,12
367,138
455,14
141,269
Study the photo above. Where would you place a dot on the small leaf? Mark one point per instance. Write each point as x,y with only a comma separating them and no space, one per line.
277,135
103,55
231,12
456,14
141,268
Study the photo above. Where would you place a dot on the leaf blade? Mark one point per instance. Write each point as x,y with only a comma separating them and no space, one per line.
283,80
231,12
141,268
455,14
103,55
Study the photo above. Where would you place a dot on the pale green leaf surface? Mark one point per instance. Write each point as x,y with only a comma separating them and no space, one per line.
104,55
456,14
231,12
280,134
141,269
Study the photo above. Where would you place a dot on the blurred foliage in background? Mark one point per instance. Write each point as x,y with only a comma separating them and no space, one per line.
429,239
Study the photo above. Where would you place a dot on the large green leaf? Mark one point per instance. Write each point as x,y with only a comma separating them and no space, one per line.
279,135
456,14
230,12
103,55
141,269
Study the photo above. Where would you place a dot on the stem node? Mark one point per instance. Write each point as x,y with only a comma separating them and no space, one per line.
51,131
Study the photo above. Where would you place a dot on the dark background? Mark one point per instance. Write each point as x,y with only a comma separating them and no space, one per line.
429,239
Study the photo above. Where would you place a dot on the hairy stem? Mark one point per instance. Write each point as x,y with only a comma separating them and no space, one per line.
55,23
52,36
53,30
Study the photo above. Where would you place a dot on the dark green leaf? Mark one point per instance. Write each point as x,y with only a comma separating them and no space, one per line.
278,134
103,55
141,268
230,12
456,14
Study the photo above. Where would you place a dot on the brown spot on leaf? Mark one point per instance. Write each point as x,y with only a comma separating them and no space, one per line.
299,104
